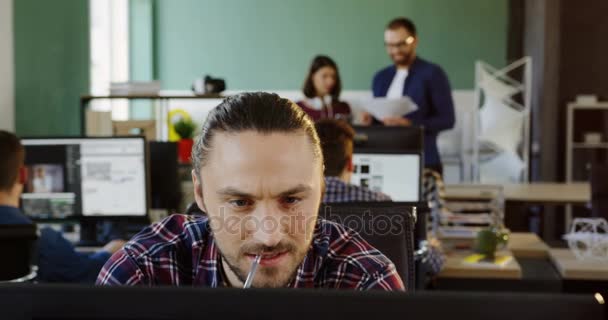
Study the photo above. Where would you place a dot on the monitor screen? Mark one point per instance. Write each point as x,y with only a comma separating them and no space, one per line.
397,175
75,177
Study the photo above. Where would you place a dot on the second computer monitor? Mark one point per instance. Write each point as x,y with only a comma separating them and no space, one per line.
72,178
382,138
396,175
389,160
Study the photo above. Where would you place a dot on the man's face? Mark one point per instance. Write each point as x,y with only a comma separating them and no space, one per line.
262,194
400,45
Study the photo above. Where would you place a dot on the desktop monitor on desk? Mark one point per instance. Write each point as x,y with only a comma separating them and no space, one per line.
396,174
85,179
121,302
389,160
165,184
378,138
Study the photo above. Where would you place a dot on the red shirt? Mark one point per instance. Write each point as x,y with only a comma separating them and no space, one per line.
337,110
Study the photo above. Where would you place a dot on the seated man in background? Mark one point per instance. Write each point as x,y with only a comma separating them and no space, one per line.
257,174
56,258
337,140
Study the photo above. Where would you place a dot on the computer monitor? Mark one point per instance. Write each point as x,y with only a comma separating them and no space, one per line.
382,138
164,176
80,178
397,174
89,302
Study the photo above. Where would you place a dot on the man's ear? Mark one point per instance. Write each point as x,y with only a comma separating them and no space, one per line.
23,175
198,191
349,164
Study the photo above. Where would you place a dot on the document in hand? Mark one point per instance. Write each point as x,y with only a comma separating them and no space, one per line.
381,108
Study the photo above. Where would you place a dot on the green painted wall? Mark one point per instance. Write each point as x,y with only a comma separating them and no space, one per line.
266,44
51,65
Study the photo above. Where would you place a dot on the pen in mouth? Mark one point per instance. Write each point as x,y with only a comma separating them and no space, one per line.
251,275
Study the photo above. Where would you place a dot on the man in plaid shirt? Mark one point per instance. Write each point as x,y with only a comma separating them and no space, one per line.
337,139
257,173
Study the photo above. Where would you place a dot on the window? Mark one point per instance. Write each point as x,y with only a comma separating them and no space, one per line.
109,47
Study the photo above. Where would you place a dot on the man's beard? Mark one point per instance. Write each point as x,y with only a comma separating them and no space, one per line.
268,272
405,61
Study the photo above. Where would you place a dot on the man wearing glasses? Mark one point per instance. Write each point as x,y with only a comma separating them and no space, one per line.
424,82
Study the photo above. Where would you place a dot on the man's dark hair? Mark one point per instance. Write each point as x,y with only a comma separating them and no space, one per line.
337,138
12,156
262,112
317,63
402,22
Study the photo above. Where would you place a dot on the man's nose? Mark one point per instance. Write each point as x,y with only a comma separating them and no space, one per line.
267,229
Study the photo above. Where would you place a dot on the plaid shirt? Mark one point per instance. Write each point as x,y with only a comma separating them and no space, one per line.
337,190
180,250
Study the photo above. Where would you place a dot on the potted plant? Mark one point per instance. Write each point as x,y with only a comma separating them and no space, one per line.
185,130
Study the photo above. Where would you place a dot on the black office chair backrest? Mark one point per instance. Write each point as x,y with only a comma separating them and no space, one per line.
193,209
17,246
387,226
599,190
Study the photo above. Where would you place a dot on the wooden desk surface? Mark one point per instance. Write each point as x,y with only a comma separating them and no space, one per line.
456,268
527,245
571,268
566,193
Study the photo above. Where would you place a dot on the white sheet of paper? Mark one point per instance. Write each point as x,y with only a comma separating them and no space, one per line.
382,108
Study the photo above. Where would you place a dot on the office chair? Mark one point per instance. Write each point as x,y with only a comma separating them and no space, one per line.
388,226
599,190
18,245
193,209
399,248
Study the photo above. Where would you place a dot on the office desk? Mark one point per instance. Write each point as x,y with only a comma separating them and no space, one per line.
571,268
548,193
530,271
580,276
537,193
456,268
527,245
519,196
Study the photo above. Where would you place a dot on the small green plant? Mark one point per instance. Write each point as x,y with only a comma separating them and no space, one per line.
185,128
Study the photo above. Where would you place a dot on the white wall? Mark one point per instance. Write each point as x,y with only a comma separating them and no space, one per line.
7,76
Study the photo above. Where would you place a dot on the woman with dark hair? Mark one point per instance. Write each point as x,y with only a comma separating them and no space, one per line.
322,91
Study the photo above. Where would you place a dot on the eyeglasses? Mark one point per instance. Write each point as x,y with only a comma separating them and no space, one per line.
400,44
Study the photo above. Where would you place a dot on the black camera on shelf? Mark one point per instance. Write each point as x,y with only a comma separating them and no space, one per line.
209,85
214,85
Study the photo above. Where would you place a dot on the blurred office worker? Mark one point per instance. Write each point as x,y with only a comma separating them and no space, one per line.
257,173
337,141
424,82
322,89
56,257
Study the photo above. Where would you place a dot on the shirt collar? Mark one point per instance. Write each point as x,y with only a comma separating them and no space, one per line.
334,181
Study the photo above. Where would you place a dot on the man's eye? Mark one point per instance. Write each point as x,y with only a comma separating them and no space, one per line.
240,203
291,200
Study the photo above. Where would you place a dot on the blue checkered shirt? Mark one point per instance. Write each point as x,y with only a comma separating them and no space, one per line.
337,190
